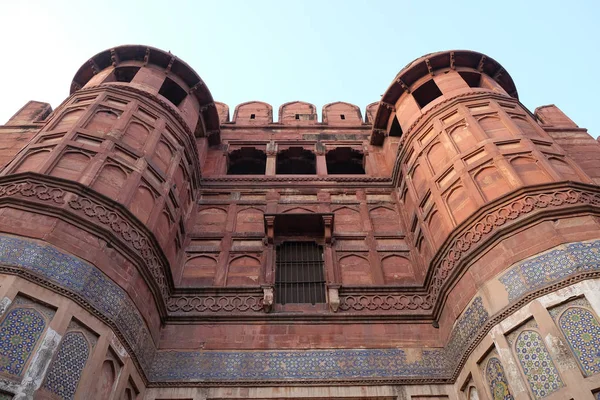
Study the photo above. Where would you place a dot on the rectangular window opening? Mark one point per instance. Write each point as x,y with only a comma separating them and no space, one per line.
297,116
125,74
252,116
395,129
299,275
426,93
172,92
473,79
342,116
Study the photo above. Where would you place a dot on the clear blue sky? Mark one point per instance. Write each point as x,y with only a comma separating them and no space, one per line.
315,51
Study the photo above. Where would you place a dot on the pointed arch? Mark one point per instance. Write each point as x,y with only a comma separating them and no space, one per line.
250,219
355,269
243,270
384,219
347,219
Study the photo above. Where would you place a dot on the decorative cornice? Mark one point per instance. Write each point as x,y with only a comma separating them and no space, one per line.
116,223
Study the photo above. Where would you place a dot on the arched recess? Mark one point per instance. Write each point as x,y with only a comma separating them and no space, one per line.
250,220
419,180
543,376
462,137
529,171
355,270
243,271
437,227
296,161
564,169
199,271
163,228
107,378
68,119
19,322
473,395
111,180
247,161
211,220
143,201
525,127
163,154
71,165
102,121
136,135
64,373
396,269
384,220
460,204
345,160
33,161
347,220
496,380
582,331
438,157
109,373
491,182
494,127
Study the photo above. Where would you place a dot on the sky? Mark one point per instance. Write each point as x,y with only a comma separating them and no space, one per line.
315,51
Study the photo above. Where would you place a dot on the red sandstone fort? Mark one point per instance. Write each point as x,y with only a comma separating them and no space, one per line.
442,245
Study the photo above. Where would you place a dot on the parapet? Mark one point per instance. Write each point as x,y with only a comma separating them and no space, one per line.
253,113
259,113
340,113
223,111
298,113
371,112
32,112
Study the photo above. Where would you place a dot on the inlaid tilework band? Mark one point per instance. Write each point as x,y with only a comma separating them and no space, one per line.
97,290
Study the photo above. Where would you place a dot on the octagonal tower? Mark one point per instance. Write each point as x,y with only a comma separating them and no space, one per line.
128,131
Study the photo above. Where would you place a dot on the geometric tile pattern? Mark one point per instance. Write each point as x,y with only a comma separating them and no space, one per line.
538,367
64,374
582,331
19,332
294,365
550,267
494,374
597,395
467,326
86,282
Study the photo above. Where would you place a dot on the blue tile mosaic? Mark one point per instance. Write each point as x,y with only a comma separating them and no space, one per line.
294,365
538,367
496,380
550,267
582,331
112,302
465,330
20,330
63,376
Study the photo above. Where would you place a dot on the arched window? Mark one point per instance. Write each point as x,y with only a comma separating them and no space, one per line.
247,161
296,160
344,160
